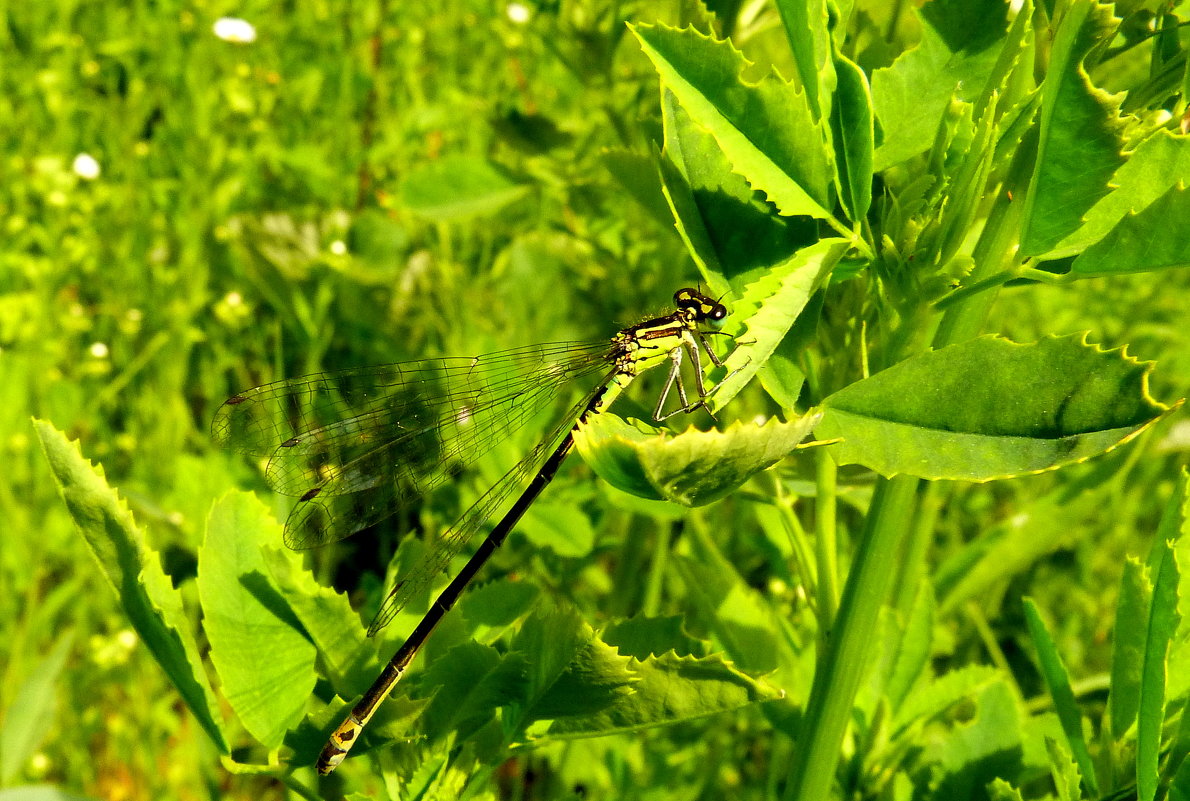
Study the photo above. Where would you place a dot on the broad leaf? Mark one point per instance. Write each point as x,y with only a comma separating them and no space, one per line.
694,468
961,42
1158,164
134,571
765,129
769,308
1152,239
669,689
1080,146
733,233
990,408
260,651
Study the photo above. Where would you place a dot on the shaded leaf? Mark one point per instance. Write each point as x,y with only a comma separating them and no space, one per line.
807,29
1128,643
668,689
1163,623
643,636
29,716
732,232
1157,165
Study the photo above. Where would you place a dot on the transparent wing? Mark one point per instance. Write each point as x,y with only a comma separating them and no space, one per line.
355,446
484,509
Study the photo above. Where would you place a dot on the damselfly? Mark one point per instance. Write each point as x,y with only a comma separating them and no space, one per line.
355,446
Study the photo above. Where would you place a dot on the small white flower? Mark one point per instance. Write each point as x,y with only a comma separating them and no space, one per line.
99,350
233,29
234,298
85,166
518,13
338,247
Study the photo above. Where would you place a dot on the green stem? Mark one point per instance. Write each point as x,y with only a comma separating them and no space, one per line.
652,600
912,570
848,655
889,518
826,540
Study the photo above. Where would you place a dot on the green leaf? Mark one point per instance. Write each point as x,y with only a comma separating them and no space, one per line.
1064,771
740,618
668,689
968,184
1057,680
853,135
569,670
1175,527
807,29
134,571
458,188
636,174
1157,165
1151,239
494,607
470,681
1000,790
961,42
927,701
30,713
769,308
1080,146
40,792
989,408
1179,787
693,468
1163,623
258,647
560,527
913,647
987,745
732,232
765,129
345,655
642,636
1128,646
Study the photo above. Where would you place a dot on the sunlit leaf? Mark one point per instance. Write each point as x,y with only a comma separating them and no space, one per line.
989,408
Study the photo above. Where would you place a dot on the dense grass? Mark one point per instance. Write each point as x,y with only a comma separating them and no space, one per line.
254,218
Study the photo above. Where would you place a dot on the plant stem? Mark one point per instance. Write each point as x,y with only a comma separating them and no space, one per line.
847,657
826,541
889,518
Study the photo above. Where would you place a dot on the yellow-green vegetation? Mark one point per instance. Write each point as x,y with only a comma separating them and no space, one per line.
953,242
